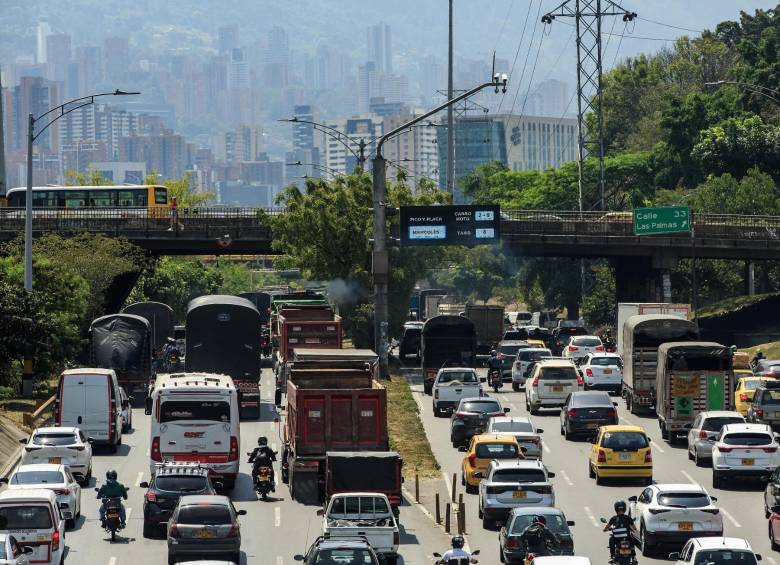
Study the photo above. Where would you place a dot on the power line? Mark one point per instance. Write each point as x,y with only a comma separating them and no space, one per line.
527,55
628,35
670,25
517,52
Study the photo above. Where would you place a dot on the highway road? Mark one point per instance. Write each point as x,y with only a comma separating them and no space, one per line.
581,499
272,532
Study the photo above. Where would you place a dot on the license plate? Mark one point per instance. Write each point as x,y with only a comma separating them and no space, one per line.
202,534
685,526
112,515
519,494
592,425
607,371
55,460
625,456
557,389
748,461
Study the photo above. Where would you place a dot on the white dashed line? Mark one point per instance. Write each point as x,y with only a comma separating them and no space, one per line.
730,518
139,479
591,517
277,516
448,483
771,560
657,447
546,449
687,476
112,561
279,560
128,512
566,478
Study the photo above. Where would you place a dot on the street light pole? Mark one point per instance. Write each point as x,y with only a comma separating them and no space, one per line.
450,118
380,263
333,133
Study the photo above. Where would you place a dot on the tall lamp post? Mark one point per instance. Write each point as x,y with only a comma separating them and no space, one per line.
32,135
335,134
380,265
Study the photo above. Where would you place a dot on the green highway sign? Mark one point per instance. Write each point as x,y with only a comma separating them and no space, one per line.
671,219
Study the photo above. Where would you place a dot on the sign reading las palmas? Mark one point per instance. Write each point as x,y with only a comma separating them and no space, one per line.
671,219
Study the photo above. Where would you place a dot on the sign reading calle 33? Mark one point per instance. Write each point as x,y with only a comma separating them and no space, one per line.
671,219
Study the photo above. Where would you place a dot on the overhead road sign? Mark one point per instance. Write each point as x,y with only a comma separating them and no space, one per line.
669,219
450,225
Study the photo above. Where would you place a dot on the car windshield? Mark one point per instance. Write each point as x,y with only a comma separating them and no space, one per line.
555,523
512,426
561,373
54,439
480,406
460,376
511,350
178,410
586,341
751,384
37,477
770,397
715,424
496,450
25,518
534,355
519,476
344,556
725,556
179,483
359,505
201,515
606,361
747,438
624,440
683,499
591,400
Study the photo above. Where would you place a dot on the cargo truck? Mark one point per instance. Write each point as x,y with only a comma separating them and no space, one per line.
446,340
364,471
691,377
333,406
628,309
641,337
279,301
123,342
429,302
160,318
489,323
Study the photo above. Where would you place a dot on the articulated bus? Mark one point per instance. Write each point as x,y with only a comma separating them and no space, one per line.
151,197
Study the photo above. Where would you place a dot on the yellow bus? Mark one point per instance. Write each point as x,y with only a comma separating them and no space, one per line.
151,197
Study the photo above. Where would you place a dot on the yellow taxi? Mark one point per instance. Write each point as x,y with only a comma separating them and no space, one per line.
746,390
481,451
621,452
536,343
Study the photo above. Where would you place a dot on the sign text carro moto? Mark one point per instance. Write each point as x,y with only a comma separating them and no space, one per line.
450,225
671,219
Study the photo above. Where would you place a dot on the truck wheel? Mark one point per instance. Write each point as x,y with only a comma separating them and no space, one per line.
436,412
391,559
516,387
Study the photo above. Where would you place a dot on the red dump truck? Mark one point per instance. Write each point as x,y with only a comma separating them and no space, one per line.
332,406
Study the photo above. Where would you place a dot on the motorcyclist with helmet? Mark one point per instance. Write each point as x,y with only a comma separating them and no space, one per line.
457,551
537,539
263,456
756,358
494,364
112,489
621,526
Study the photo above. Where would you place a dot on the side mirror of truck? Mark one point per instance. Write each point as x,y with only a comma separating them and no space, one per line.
23,440
539,431
148,406
506,411
143,484
321,512
482,379
463,449
298,557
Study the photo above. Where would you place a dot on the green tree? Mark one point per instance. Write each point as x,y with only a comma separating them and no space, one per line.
183,189
91,177
473,273
599,307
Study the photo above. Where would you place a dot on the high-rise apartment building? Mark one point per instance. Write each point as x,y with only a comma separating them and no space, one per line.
549,98
277,59
227,38
42,32
380,47
335,156
58,56
116,57
34,95
167,154
89,72
367,86
238,69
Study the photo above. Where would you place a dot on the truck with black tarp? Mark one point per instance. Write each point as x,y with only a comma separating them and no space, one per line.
160,318
691,377
333,405
222,337
446,340
489,322
364,471
123,342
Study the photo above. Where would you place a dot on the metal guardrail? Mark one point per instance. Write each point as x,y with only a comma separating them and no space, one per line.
29,418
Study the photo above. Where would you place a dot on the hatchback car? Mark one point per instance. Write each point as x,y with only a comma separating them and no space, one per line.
621,452
602,371
169,483
765,408
471,417
204,526
718,551
351,551
508,484
579,346
11,553
483,449
57,478
511,550
584,412
551,383
522,428
525,358
560,337
673,514
65,446
704,431
744,450
745,392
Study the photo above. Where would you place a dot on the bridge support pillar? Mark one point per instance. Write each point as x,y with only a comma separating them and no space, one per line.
643,279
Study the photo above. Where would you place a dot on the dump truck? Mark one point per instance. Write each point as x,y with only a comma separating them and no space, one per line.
489,322
446,341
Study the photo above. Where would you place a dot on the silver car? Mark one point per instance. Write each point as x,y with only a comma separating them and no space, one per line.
508,484
524,431
705,430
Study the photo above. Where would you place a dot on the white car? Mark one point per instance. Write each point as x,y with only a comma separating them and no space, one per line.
66,446
451,385
12,552
602,371
735,551
550,383
127,410
524,431
580,346
673,513
508,484
523,361
56,478
744,450
561,560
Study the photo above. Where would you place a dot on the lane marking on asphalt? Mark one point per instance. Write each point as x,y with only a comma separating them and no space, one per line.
447,484
279,560
627,422
691,479
591,517
112,561
147,453
546,449
566,478
140,478
277,516
771,560
730,518
128,512
658,447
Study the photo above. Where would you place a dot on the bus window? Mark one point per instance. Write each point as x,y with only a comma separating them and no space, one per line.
43,199
132,198
100,199
73,199
160,195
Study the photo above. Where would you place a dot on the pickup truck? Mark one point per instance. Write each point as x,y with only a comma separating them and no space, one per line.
452,384
367,515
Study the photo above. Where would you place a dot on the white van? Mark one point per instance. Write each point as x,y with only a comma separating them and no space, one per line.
89,399
195,419
35,520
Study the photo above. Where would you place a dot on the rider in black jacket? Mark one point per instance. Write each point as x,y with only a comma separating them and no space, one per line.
263,456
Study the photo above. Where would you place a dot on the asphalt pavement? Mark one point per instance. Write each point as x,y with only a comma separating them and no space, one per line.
581,499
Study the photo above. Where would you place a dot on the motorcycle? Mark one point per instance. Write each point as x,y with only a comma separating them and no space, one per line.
495,380
456,560
624,553
112,523
263,484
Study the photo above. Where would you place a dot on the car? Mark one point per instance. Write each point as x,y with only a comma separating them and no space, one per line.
471,417
579,346
602,371
746,391
705,429
772,493
483,449
507,484
56,478
720,551
673,514
519,519
560,337
621,452
585,411
127,410
551,381
507,352
12,553
561,560
767,368
746,451
66,446
170,482
346,551
204,526
34,518
525,358
452,384
765,408
522,428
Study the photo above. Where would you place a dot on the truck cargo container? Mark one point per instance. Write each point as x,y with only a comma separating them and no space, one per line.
287,300
446,340
123,342
628,309
489,323
160,318
364,471
435,295
691,377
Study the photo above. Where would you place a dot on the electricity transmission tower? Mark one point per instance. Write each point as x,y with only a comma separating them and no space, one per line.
587,15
